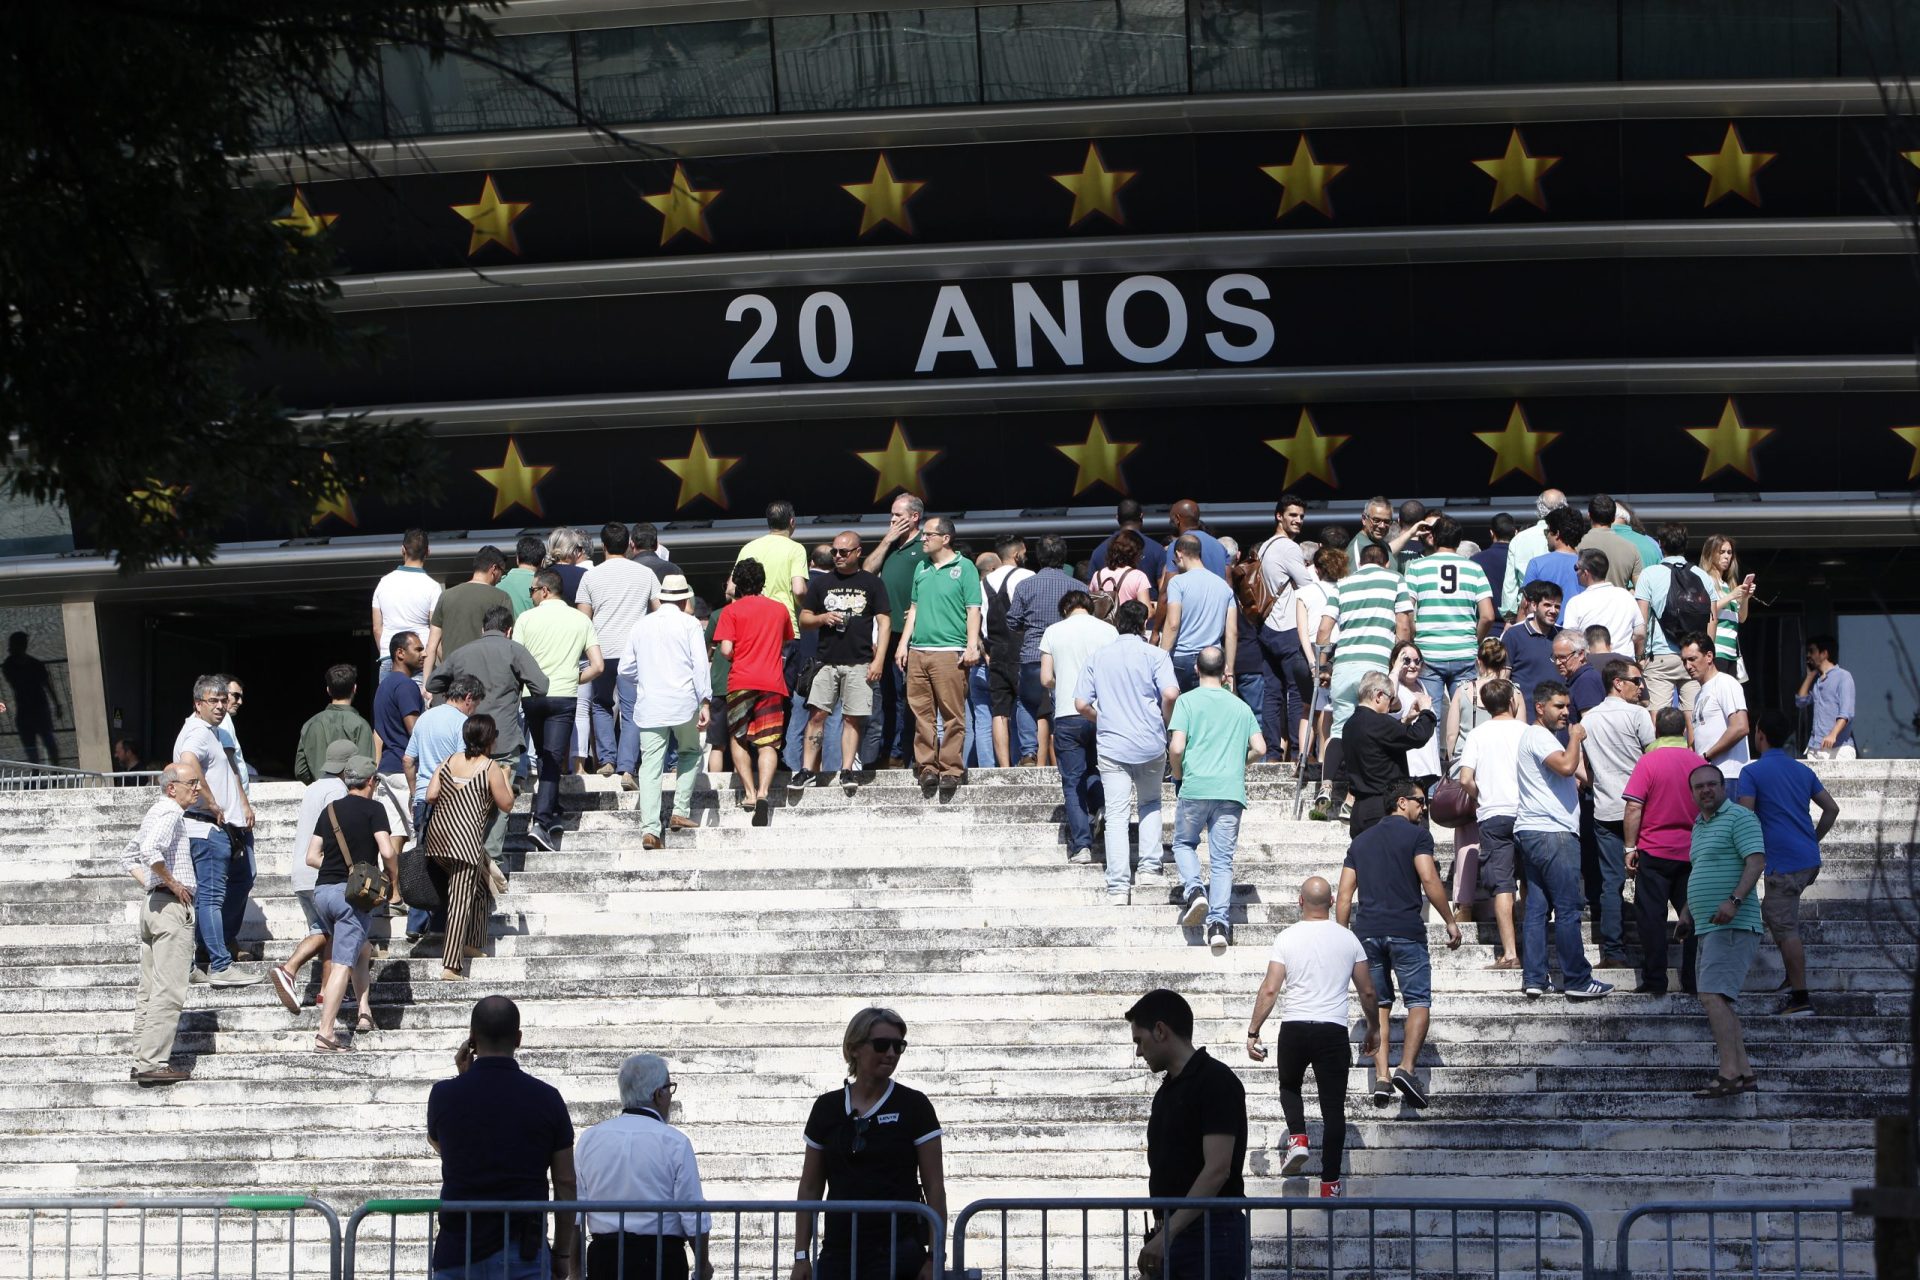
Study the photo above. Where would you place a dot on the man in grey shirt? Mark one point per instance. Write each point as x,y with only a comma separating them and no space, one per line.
1619,731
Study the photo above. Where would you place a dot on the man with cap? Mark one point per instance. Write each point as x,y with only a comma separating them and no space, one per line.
350,830
320,793
666,660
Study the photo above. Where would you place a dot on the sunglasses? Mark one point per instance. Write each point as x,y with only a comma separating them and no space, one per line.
888,1044
846,551
860,1126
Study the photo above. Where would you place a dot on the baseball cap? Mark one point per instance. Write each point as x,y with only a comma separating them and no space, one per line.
339,751
358,770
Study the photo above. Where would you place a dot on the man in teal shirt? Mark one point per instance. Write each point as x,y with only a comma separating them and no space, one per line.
518,582
1728,853
896,558
1215,734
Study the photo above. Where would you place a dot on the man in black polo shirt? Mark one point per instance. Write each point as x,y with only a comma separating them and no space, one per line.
500,1135
1196,1146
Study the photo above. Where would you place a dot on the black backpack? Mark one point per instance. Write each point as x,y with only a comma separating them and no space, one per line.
1689,606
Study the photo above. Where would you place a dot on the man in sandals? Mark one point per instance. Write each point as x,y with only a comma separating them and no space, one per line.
1728,855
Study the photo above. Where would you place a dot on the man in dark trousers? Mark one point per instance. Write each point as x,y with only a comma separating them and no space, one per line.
1376,742
500,1134
1196,1147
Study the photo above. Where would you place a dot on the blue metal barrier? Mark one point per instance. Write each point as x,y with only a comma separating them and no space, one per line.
58,1236
1774,1246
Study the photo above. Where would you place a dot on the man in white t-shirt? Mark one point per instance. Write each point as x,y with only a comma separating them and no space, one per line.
404,599
1065,649
1288,694
1489,765
1601,602
1547,830
616,594
1313,961
1719,709
1003,657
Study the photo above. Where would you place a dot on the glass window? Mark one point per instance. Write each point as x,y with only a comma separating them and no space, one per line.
869,61
353,115
683,71
1687,40
1512,41
1250,45
460,95
1083,49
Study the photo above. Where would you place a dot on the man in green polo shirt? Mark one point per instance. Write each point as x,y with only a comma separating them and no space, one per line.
1728,854
939,644
896,558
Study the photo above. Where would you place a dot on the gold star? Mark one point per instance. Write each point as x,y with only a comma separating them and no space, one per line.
1729,443
1734,170
515,484
492,220
1912,436
1303,181
899,465
700,474
1517,448
681,208
1516,175
1308,453
1099,459
1913,158
335,501
304,220
1096,189
885,198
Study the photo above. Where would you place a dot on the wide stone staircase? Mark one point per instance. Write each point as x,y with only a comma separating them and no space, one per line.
739,953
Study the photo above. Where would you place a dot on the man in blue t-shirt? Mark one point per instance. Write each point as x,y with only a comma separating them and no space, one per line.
397,702
1198,602
1779,790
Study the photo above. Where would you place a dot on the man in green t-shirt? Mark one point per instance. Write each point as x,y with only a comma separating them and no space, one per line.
1215,735
1728,855
896,558
939,644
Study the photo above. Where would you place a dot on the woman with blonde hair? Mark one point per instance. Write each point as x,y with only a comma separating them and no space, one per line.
1732,597
871,1139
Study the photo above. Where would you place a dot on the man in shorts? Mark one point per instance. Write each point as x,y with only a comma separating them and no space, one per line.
1729,855
1391,864
849,608
1780,790
320,793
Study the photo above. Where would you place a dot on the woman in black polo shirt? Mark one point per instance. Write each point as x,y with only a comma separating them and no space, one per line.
871,1139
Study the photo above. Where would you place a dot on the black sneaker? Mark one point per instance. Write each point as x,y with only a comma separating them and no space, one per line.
543,836
849,781
1195,903
1798,1006
802,778
1219,938
762,813
1403,1081
1382,1092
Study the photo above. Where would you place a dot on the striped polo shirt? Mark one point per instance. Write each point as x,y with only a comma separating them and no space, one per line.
1447,589
1366,601
1721,846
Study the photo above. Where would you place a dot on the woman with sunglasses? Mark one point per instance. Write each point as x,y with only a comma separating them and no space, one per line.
871,1139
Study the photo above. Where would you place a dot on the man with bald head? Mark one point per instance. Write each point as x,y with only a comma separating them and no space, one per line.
1184,516
1313,962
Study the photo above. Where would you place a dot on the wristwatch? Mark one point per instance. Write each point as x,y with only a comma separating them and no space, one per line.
802,1255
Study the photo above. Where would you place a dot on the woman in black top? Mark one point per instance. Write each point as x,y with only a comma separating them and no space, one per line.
871,1139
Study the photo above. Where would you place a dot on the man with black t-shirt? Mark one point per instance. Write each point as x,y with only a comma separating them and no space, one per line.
849,608
1003,656
1391,864
1196,1146
362,820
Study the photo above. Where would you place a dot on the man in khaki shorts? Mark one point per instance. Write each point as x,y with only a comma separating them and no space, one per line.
849,608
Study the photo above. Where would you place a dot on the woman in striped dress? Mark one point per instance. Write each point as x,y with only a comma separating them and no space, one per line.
462,798
1732,596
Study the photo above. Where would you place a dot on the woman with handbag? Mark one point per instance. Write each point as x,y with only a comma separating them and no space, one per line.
1122,579
461,800
871,1139
348,847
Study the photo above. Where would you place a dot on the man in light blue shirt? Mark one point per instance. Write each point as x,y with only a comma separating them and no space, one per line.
1198,604
1127,693
1660,660
1828,689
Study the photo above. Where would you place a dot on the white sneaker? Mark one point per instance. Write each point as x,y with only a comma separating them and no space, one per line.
1196,910
1150,873
1119,898
1082,858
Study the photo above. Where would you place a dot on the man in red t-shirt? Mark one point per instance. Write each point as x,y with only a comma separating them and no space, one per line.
1658,828
752,631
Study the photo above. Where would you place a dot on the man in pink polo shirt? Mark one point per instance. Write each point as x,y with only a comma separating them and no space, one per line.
1659,832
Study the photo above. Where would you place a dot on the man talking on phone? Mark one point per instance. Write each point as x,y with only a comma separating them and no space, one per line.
500,1134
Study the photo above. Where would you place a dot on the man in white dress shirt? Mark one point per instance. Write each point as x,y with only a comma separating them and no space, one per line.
158,859
666,659
638,1156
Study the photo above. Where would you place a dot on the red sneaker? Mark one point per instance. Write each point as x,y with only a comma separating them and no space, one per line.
1296,1160
1331,1190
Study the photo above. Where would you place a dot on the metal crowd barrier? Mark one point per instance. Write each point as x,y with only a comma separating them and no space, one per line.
1283,1237
24,775
162,1236
754,1244
1773,1242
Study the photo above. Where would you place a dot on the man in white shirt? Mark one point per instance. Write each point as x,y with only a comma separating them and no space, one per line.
1719,709
1601,602
1288,692
638,1156
616,594
1489,770
157,858
219,834
404,599
1066,648
667,667
1547,829
1619,731
1313,961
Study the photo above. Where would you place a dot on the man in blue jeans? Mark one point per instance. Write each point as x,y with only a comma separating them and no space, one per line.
1198,602
1066,648
219,836
1215,735
1547,830
1127,694
1391,864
